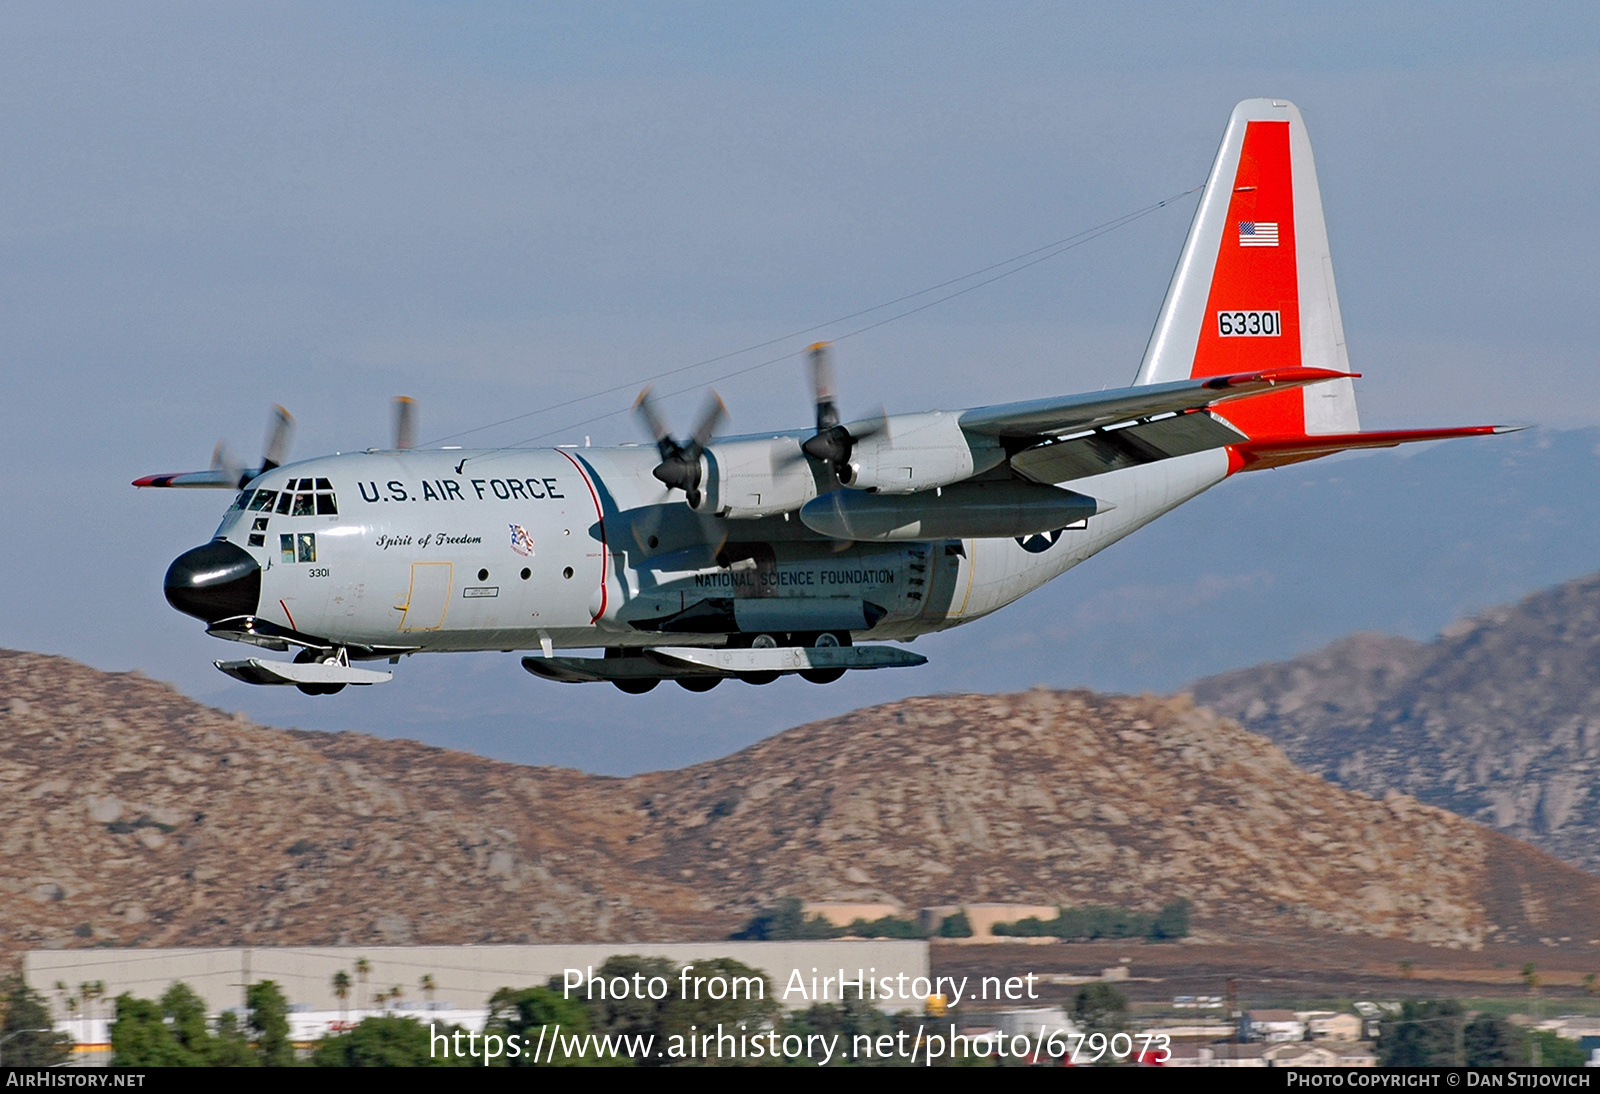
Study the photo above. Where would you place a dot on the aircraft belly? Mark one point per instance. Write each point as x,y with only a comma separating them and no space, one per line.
1002,570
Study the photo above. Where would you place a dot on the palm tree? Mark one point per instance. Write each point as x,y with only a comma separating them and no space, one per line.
427,985
341,989
363,969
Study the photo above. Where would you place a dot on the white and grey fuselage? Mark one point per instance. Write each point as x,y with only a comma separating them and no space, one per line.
581,547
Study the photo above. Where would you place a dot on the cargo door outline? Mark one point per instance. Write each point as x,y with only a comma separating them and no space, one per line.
429,597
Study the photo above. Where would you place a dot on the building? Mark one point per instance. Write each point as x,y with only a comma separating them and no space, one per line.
1271,1026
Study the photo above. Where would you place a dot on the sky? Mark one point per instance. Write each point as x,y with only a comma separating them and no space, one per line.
504,209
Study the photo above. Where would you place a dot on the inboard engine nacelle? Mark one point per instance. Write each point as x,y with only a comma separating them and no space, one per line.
744,480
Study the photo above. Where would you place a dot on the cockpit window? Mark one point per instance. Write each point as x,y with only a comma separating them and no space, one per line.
241,501
298,547
296,499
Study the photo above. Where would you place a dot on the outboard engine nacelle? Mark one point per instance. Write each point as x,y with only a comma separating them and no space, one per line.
915,452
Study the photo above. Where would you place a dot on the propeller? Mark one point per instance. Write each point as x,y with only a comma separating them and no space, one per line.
223,460
405,422
279,428
832,443
680,460
232,474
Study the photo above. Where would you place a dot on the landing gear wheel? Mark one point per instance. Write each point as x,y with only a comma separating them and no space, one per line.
821,676
698,683
312,657
635,687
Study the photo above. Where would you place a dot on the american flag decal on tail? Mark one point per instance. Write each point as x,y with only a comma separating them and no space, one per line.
1258,233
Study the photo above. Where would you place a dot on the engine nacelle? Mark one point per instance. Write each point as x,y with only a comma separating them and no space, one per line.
919,452
743,480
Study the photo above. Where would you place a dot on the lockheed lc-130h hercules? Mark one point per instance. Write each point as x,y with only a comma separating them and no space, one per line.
752,557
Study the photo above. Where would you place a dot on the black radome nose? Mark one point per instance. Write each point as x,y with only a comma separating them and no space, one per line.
214,582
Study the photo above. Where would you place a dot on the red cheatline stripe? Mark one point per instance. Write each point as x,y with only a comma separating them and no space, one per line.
605,551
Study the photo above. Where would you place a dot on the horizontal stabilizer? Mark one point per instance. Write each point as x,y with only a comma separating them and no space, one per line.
1260,453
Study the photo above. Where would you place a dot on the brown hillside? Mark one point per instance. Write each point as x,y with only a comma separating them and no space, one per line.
130,814
1498,719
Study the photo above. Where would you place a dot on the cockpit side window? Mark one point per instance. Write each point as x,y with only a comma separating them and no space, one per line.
283,501
263,501
241,501
304,506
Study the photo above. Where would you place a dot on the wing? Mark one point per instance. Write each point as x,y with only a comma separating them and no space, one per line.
1039,419
215,479
1073,437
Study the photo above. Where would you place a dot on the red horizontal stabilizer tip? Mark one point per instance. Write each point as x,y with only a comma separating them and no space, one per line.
1262,452
156,480
1295,375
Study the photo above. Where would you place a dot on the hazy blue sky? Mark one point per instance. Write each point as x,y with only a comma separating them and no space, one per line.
205,209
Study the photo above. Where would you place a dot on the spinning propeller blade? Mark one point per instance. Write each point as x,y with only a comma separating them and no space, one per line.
680,460
405,422
279,429
832,443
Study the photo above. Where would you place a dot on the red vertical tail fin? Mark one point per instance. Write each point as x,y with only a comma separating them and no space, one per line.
1254,287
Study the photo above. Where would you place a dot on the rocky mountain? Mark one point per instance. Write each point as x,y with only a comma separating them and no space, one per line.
1498,719
131,815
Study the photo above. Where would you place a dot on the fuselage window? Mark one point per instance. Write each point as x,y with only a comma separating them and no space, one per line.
286,546
308,546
